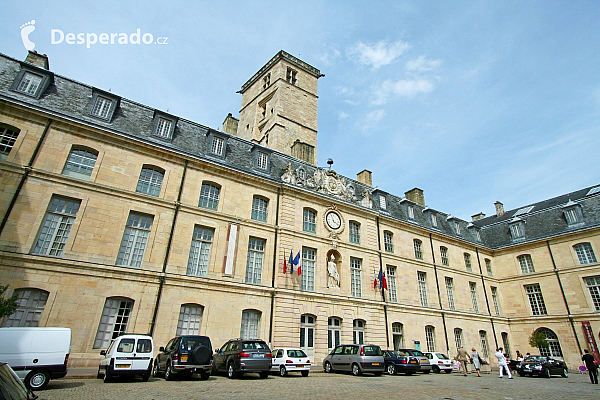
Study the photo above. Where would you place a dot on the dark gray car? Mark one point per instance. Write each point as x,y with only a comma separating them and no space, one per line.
355,358
238,356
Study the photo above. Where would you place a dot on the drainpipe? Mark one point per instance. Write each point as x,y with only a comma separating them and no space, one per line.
562,291
161,278
437,283
274,266
387,334
487,301
28,169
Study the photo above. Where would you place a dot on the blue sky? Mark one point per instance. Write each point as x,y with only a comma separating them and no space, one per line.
471,101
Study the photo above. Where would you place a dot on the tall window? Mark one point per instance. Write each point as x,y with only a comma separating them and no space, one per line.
290,76
391,281
516,230
164,128
468,262
262,160
536,300
355,277
150,181
8,137
134,240
488,266
495,300
254,265
359,331
573,214
450,292
307,332
458,338
526,264
309,220
593,285
444,254
457,227
354,232
585,253
418,245
334,332
259,209
430,337
114,320
56,227
190,316
29,83
217,146
200,251
422,279
411,212
473,287
250,321
209,196
484,344
397,335
434,220
505,342
382,202
308,269
553,349
80,163
30,306
102,107
388,241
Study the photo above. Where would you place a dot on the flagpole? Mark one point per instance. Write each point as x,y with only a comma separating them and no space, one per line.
387,333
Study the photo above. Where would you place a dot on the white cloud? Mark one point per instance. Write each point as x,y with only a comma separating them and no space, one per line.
421,64
375,116
402,88
377,54
329,55
342,116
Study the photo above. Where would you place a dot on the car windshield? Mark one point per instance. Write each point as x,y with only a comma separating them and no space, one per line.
441,356
372,351
535,359
399,353
417,353
296,353
257,345
190,343
10,385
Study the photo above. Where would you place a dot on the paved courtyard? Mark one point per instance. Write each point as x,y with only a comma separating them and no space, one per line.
330,386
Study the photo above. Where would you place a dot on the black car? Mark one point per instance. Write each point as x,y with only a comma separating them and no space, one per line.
238,356
184,355
543,366
401,361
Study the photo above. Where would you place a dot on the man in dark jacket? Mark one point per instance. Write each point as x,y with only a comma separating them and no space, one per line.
591,366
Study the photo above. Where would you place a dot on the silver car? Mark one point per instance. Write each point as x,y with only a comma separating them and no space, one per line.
425,363
356,358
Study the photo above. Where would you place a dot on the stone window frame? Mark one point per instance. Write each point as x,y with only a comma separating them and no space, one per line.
56,227
468,264
30,307
261,159
8,137
190,318
135,239
120,309
418,247
517,229
354,232
200,248
260,207
46,79
150,180
79,162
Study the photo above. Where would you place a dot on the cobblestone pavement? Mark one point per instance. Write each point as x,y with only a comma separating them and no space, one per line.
330,386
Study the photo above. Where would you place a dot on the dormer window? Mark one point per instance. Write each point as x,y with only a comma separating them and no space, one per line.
572,213
261,159
290,76
164,125
32,81
382,202
103,105
457,227
217,144
164,128
411,212
434,220
517,228
29,84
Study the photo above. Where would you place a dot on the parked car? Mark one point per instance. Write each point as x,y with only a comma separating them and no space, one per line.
239,356
356,358
439,362
36,354
398,361
184,355
285,360
543,366
127,355
11,387
425,364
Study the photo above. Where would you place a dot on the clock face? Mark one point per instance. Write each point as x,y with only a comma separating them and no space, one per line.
333,220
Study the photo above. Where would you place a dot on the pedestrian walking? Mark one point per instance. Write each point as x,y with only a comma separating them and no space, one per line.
463,358
477,361
502,363
592,367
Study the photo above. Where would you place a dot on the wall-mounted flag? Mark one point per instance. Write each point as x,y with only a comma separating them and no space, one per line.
297,263
382,280
291,262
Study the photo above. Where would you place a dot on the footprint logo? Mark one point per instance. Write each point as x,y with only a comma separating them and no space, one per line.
26,29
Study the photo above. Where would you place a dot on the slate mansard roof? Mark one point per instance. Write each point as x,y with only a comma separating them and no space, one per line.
66,98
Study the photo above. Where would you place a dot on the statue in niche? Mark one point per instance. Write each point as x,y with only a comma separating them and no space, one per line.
332,272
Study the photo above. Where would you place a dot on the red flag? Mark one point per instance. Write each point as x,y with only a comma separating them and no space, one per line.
284,266
382,280
375,282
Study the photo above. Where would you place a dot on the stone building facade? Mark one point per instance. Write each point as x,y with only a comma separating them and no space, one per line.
119,217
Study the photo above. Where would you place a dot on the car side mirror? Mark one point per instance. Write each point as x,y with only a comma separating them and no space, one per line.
218,351
102,352
161,348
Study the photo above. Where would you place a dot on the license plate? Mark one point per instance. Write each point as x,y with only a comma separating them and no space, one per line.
375,363
184,357
123,365
259,355
413,362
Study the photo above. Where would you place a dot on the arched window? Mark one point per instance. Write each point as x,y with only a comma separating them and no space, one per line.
209,195
334,332
468,266
250,322
114,320
150,180
430,337
388,241
190,317
8,137
458,337
484,344
585,253
397,335
505,342
80,162
259,208
359,331
444,255
526,264
553,349
418,245
30,306
307,332
309,220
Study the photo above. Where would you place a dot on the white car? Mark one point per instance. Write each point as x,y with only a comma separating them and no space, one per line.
439,362
285,360
127,355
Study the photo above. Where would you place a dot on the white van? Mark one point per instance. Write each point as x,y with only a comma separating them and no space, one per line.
128,354
36,354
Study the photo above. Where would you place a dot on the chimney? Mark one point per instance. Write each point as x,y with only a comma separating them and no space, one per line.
365,177
499,208
416,196
38,60
230,125
478,216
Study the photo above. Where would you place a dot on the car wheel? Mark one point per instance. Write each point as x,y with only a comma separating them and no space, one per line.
230,371
264,374
327,367
106,377
282,371
565,373
546,373
304,373
377,373
356,370
426,371
169,375
409,373
204,376
155,371
99,375
436,369
448,371
521,373
146,377
37,380
391,369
